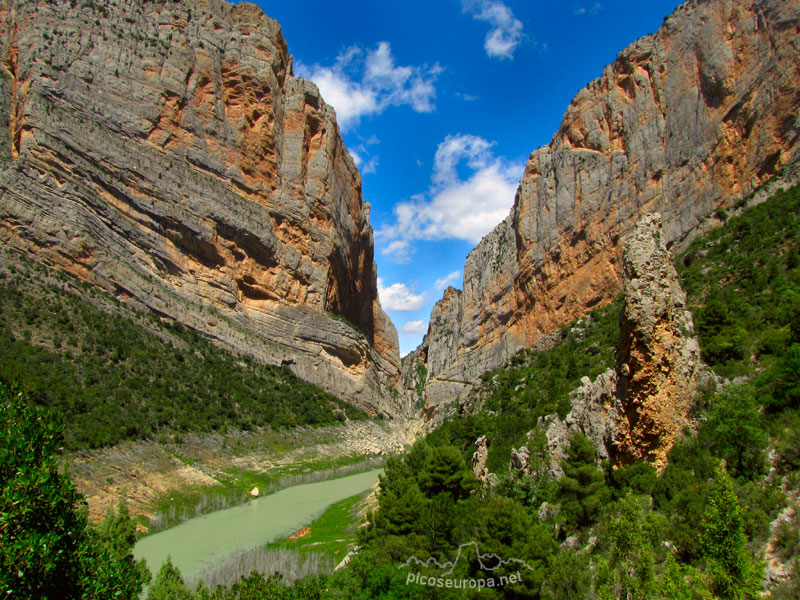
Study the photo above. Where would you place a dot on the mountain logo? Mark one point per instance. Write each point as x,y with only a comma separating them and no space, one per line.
488,562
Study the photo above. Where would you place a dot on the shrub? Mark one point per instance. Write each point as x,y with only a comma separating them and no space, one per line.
48,550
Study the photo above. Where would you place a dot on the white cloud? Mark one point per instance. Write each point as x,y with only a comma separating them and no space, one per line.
581,10
361,156
453,207
454,149
506,30
399,297
398,250
447,280
415,328
371,166
367,82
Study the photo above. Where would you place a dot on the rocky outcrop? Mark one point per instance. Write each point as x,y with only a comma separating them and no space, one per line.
658,363
635,411
683,122
166,152
479,459
520,462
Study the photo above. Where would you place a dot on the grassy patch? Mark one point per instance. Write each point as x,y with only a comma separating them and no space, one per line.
333,533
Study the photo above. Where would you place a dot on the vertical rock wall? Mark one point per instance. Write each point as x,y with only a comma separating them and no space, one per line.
635,411
683,122
165,151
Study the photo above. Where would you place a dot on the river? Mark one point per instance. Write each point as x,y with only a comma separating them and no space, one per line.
212,537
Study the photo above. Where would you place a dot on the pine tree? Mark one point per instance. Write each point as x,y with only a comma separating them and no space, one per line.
734,573
630,572
582,491
169,584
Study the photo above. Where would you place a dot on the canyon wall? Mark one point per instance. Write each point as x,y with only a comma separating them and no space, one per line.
165,152
684,122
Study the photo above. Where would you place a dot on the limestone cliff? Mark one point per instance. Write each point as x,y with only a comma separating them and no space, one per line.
683,122
166,152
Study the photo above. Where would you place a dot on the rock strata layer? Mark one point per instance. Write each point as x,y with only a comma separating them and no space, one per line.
166,152
683,122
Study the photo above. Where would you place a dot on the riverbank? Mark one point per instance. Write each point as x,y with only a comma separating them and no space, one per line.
167,481
201,544
329,539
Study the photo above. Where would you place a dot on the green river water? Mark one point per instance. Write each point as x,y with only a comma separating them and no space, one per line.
210,538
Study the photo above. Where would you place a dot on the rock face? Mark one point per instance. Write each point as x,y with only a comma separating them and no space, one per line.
683,122
165,151
636,410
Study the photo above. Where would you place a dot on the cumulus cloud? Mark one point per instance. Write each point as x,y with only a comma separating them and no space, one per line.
447,280
415,328
455,207
399,297
506,30
399,250
365,82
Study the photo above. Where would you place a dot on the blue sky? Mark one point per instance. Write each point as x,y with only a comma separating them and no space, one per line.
441,102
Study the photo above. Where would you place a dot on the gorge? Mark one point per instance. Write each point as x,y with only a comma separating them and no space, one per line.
190,313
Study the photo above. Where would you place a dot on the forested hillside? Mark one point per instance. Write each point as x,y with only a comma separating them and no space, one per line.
707,526
116,374
719,521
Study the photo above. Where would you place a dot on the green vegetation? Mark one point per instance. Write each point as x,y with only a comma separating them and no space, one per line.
582,492
732,570
539,382
696,530
48,550
534,384
422,377
169,585
333,533
119,375
431,506
743,285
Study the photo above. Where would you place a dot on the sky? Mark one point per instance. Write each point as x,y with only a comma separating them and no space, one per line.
441,102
